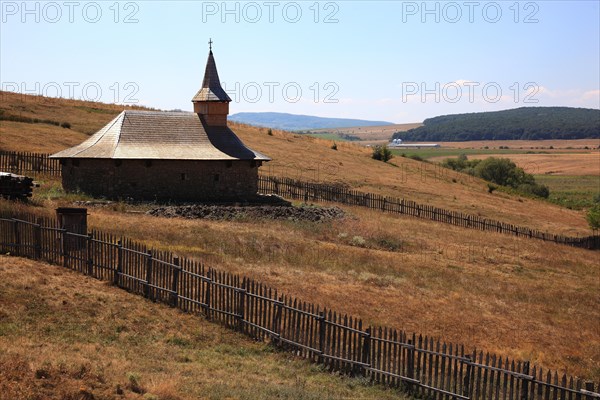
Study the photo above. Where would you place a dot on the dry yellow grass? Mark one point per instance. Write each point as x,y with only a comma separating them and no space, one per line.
525,144
67,336
371,133
309,158
516,297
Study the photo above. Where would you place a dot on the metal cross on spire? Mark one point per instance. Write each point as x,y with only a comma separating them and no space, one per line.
210,42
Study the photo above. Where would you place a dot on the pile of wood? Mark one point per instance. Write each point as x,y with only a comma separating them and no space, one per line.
14,186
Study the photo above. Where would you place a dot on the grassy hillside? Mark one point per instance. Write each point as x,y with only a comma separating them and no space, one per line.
525,123
516,297
303,157
67,336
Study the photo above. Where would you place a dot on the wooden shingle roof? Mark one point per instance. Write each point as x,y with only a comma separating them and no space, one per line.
211,85
162,135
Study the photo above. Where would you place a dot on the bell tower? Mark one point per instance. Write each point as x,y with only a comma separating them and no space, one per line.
211,102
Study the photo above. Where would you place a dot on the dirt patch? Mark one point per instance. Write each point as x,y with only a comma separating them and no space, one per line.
217,212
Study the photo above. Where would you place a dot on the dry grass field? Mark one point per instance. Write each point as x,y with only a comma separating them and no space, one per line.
517,297
304,157
70,337
369,133
526,144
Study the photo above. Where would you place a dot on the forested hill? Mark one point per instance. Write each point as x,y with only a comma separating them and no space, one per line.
526,123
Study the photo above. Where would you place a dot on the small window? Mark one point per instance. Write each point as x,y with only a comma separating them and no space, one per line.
184,177
216,177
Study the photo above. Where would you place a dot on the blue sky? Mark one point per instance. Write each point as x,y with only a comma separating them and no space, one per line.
399,61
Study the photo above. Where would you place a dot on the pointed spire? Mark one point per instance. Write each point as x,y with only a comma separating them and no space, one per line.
211,85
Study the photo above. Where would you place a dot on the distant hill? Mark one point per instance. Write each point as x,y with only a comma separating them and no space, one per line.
295,122
526,123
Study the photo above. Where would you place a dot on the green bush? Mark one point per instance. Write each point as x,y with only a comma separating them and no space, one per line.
382,153
593,217
499,171
535,189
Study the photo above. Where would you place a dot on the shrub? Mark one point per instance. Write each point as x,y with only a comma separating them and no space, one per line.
270,132
491,187
334,146
416,157
535,189
66,125
382,153
593,217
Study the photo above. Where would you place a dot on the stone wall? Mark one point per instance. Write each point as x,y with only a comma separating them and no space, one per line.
163,180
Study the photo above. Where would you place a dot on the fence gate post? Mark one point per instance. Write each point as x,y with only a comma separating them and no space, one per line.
366,350
17,237
38,239
147,289
119,269
467,379
175,282
525,385
90,255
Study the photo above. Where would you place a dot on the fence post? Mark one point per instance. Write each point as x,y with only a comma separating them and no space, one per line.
321,336
38,239
90,255
65,248
410,367
119,269
207,294
277,309
467,379
147,289
366,350
589,388
17,237
240,306
525,386
175,282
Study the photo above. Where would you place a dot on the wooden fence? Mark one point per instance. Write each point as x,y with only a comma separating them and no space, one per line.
24,163
35,163
306,191
414,363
